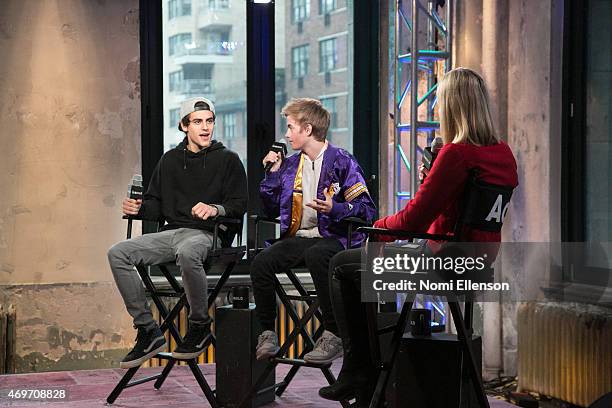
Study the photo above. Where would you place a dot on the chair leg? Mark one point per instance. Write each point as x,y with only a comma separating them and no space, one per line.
294,369
164,374
387,365
197,373
466,342
121,385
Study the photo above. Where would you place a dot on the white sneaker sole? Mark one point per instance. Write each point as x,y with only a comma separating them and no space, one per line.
195,354
139,361
320,360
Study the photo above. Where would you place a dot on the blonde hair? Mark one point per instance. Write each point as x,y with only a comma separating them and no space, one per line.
309,111
465,113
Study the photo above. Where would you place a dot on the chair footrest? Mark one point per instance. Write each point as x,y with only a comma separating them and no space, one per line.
142,380
164,355
301,298
297,362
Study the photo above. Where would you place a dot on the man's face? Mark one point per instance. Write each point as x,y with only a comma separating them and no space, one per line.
298,136
200,130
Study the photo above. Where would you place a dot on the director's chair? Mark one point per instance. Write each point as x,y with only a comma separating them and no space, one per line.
300,323
222,255
479,200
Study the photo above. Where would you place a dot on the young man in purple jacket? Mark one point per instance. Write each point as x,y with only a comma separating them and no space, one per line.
312,191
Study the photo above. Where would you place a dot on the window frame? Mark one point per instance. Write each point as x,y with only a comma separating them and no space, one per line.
296,7
323,8
324,58
173,46
260,98
574,137
296,63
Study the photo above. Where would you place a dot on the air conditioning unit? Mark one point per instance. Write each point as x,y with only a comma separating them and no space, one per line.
300,27
327,78
327,19
300,83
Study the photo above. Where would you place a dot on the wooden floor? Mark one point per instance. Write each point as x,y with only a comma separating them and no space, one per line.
89,388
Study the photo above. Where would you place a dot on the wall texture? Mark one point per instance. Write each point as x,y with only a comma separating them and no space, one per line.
516,45
70,141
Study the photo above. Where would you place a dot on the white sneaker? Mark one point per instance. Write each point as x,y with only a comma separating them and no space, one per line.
267,345
327,348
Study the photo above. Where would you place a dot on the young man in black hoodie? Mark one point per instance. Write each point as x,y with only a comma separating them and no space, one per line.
196,181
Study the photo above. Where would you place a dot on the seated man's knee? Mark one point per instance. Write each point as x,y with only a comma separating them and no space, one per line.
345,265
118,253
261,264
189,256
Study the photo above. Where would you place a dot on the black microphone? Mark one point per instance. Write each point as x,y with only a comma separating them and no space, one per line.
430,152
277,147
135,189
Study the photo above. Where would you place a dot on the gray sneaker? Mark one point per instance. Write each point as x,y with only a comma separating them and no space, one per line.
267,345
327,348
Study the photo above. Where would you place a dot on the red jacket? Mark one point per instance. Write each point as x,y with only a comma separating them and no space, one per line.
434,208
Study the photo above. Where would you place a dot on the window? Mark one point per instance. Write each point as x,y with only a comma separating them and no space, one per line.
587,139
175,79
330,46
330,105
207,59
327,55
178,8
218,4
300,10
229,125
299,61
177,43
216,40
326,6
173,117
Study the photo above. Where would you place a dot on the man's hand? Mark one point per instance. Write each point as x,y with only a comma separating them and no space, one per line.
131,206
322,206
273,157
204,211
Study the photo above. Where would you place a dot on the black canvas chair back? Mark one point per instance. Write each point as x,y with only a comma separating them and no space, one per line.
223,257
300,322
484,207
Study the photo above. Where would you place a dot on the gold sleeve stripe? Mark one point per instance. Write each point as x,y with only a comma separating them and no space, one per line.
356,193
352,188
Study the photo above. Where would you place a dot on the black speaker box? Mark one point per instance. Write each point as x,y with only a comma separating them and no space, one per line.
237,368
428,374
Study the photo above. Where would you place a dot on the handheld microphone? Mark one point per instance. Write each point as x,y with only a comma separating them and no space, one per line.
277,147
430,152
135,189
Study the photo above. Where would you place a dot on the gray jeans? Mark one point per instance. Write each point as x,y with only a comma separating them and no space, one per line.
188,247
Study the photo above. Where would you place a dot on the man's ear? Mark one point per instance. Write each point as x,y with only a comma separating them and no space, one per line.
308,129
183,127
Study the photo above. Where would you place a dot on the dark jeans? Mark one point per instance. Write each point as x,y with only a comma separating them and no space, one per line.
314,253
345,287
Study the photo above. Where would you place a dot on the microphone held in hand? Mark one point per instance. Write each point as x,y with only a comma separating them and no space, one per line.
135,189
430,152
277,147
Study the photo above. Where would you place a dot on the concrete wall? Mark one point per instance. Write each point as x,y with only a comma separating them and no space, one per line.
70,141
517,45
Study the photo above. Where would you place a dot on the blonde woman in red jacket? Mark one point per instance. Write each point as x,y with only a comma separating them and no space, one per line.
470,143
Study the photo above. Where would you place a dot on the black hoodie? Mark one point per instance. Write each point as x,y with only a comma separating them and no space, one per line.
181,179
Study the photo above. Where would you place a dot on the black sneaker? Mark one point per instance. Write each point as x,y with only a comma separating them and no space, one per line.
194,342
149,342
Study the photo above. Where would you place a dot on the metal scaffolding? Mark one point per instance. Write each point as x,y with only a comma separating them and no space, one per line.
421,58
433,59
